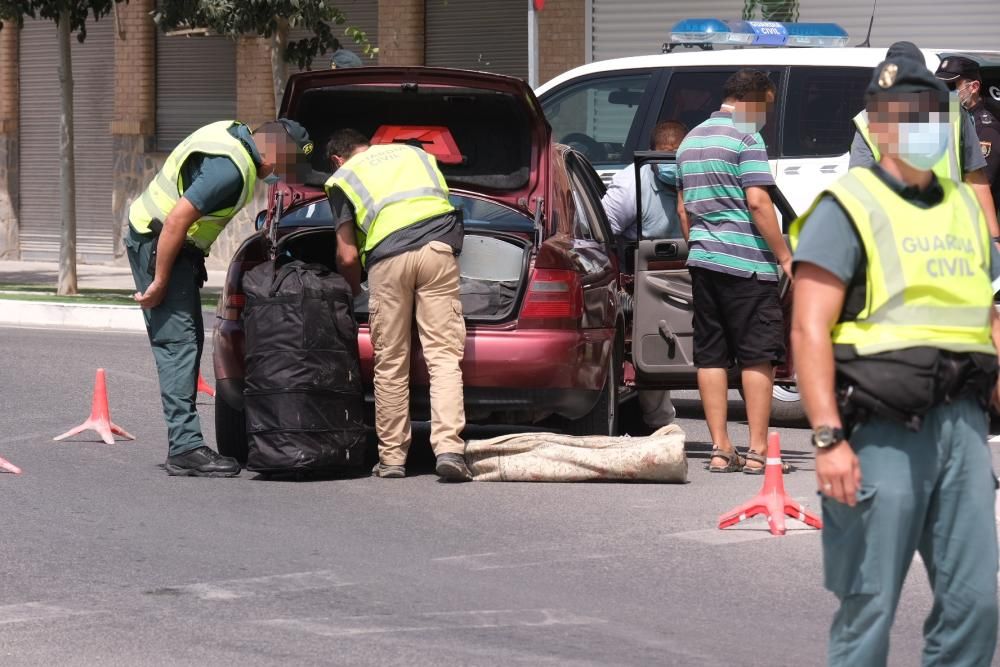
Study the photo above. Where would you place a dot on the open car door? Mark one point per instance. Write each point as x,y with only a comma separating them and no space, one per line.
662,326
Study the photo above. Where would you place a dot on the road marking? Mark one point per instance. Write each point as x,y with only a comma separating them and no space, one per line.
434,621
235,589
734,535
515,559
35,611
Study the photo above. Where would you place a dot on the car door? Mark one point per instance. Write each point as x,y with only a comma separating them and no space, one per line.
662,326
817,129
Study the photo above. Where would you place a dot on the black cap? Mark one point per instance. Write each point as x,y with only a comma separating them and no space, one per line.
904,75
904,50
298,134
953,67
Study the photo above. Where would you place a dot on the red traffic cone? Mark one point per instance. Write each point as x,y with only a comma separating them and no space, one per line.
772,499
204,387
9,467
100,418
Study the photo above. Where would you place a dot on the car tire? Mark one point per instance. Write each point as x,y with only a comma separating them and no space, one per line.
605,417
786,406
230,430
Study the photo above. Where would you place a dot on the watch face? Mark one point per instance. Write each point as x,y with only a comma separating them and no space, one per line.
823,436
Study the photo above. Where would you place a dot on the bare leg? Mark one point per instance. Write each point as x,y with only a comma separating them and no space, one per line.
713,385
758,382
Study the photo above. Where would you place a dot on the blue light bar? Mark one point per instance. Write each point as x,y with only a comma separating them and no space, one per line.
708,32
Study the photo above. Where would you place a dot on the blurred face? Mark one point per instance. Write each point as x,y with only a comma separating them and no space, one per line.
913,127
750,115
670,140
280,158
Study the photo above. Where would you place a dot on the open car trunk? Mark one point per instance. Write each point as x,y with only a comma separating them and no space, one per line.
494,268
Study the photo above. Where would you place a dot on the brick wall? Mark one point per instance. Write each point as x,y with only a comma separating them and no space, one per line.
401,32
135,74
254,83
562,37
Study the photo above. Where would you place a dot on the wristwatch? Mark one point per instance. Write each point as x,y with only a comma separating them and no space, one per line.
827,436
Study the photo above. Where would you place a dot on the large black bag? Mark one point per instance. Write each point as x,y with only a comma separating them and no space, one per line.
304,400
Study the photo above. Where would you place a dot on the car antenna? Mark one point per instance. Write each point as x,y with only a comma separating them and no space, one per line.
871,22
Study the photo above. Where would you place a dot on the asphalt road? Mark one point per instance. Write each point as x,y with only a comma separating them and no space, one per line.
104,560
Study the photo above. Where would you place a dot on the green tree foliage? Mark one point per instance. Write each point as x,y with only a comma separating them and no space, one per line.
266,18
77,11
771,10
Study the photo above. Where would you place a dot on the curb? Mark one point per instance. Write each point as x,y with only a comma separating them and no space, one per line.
73,316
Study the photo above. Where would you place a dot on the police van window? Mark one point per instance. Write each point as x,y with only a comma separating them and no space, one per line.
595,116
820,105
693,96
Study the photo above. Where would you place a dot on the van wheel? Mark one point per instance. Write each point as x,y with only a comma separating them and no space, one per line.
604,417
786,406
230,430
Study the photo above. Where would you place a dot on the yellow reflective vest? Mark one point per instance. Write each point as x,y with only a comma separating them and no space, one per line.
166,188
950,164
390,186
928,274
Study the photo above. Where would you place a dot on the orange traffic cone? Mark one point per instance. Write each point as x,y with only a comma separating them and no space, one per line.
9,467
100,417
772,500
204,387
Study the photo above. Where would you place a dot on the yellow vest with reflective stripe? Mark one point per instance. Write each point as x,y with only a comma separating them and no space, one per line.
928,276
949,166
166,188
391,187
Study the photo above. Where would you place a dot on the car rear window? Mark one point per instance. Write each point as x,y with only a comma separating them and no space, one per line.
819,108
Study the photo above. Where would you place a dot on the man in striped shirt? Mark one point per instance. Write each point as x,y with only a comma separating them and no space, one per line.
735,247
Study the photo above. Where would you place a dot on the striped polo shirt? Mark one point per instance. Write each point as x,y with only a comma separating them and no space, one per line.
716,163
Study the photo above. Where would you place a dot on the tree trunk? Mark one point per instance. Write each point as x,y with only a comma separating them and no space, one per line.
67,174
279,66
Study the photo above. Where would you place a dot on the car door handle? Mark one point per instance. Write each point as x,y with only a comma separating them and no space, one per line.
666,249
669,336
792,171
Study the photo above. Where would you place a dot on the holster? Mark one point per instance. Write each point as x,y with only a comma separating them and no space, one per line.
188,250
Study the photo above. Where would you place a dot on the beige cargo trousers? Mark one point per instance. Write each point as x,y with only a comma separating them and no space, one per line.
421,283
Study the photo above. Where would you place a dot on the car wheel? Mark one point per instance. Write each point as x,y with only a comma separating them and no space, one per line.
604,417
230,430
786,406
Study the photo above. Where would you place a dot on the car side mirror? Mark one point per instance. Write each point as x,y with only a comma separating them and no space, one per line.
258,222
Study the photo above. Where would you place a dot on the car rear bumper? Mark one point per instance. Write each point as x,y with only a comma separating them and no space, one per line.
504,370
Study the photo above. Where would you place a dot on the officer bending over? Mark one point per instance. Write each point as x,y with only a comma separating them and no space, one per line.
205,181
895,336
392,212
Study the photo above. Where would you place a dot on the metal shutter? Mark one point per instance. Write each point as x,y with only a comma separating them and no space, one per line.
195,85
361,14
491,35
93,95
639,27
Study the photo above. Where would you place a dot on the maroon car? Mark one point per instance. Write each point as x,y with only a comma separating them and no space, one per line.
540,285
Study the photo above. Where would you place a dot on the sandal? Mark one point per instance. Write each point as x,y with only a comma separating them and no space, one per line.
734,462
762,460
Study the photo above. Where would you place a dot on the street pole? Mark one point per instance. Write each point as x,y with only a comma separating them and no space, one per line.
532,45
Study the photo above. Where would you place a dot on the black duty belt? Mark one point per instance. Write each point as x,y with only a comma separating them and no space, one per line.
189,250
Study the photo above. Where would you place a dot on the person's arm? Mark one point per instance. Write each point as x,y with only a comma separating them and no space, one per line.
348,259
981,186
619,201
817,302
168,245
861,153
683,216
762,211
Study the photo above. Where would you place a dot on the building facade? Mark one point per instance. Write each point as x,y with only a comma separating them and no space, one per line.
138,92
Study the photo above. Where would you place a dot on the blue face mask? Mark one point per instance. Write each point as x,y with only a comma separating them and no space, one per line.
666,174
271,178
921,145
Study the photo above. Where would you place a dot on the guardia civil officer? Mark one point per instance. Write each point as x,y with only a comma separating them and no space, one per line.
393,217
204,182
895,336
963,161
963,76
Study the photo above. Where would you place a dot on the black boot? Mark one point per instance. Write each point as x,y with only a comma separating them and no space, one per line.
202,462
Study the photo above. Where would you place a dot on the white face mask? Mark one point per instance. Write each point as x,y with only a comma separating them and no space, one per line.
965,94
921,145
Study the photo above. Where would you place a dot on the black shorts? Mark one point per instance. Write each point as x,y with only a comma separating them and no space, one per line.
736,320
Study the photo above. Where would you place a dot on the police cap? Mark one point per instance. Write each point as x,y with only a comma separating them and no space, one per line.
954,67
904,75
298,134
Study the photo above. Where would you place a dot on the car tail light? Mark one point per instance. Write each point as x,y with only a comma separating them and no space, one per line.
553,294
232,308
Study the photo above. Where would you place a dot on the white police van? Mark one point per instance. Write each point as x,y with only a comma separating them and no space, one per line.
608,109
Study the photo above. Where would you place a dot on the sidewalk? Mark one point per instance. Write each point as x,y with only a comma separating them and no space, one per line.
25,301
